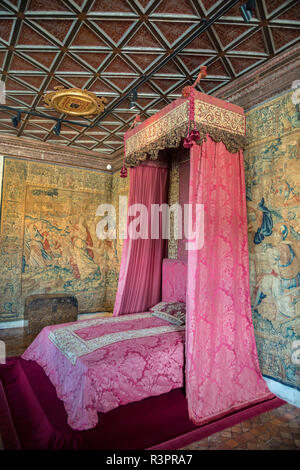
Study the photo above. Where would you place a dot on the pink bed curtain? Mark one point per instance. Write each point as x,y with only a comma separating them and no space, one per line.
222,372
139,285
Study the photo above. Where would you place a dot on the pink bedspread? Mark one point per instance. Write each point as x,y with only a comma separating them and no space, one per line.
113,375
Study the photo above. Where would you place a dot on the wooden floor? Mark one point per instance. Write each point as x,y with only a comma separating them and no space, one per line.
277,429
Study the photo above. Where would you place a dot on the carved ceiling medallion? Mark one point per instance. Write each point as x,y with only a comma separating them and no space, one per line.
75,102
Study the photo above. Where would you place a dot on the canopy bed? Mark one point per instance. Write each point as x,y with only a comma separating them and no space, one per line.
222,370
99,364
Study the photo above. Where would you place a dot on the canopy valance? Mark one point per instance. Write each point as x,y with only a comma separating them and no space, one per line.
222,121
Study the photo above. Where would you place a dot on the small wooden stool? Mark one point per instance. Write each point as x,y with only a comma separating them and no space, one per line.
49,309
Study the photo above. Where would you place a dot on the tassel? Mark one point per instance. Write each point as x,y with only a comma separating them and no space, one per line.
188,142
195,135
123,172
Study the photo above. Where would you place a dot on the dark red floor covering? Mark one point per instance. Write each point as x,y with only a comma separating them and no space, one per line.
40,421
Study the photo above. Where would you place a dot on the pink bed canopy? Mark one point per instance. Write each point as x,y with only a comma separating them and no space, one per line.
222,369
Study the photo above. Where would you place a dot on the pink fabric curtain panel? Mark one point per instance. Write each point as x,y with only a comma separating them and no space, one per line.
222,372
139,286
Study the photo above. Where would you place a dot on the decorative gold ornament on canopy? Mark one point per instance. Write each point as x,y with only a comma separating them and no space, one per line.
75,101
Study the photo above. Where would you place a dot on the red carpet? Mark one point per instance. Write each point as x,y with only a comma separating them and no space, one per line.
32,417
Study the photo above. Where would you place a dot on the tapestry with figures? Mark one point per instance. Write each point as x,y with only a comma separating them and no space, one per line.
272,167
48,237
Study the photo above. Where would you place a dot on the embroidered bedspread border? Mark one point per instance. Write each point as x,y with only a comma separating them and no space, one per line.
72,346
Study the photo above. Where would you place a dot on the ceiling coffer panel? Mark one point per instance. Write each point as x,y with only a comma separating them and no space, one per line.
111,48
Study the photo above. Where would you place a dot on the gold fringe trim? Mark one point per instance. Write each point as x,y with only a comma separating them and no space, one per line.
171,140
232,142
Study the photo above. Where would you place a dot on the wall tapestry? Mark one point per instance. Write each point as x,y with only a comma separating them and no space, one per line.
272,166
48,236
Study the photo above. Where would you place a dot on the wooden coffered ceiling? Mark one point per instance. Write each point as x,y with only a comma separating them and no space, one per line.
108,46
